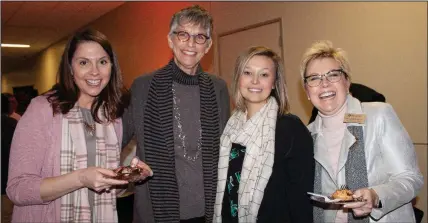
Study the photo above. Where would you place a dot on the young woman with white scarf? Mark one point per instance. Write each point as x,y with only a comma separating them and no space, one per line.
266,161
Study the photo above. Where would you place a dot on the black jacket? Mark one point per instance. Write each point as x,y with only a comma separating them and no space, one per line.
285,199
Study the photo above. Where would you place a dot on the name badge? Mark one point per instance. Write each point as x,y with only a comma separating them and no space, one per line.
354,118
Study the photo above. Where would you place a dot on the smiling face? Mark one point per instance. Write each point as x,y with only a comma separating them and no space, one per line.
91,68
257,81
187,54
327,97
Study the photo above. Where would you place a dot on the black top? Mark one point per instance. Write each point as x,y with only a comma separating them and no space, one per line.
285,199
230,198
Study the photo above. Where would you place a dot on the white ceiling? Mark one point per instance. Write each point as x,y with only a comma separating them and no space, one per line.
42,24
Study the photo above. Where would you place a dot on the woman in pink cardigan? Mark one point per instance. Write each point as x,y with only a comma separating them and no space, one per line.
67,142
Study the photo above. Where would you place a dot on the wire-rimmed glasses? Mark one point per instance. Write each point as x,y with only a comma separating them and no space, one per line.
332,76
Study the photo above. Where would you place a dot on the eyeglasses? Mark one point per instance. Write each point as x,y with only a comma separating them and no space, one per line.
185,36
332,76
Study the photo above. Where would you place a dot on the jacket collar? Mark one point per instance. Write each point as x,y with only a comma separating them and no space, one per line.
353,107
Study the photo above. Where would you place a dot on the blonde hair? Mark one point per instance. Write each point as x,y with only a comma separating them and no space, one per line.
325,49
280,91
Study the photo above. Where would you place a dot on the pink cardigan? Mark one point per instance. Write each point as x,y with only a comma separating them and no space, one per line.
35,155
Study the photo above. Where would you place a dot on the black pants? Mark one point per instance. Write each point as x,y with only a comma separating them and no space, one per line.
194,220
125,209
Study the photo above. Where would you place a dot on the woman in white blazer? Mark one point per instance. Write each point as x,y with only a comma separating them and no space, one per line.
361,145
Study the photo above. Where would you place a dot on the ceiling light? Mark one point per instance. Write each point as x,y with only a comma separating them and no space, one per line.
15,45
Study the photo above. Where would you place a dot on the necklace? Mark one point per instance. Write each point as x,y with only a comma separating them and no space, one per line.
87,117
90,128
181,135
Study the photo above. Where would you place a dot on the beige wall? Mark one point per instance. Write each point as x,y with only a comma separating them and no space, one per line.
386,43
46,67
16,79
421,202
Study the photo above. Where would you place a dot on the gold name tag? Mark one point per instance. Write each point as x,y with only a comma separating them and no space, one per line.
354,118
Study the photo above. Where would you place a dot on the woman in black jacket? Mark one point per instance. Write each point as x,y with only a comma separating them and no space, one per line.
266,161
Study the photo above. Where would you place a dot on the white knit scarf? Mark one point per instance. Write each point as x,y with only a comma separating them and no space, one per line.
75,205
258,136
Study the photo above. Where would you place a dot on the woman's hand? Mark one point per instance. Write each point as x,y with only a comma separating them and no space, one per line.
98,179
369,200
146,170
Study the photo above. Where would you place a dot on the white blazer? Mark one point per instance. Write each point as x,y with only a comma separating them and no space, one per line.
392,166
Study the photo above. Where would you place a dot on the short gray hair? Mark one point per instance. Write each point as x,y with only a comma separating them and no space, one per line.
195,15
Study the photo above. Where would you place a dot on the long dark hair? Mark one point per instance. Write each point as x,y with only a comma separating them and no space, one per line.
64,94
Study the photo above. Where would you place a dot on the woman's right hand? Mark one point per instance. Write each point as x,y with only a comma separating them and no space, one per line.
98,179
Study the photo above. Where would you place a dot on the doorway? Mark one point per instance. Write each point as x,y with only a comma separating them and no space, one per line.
232,43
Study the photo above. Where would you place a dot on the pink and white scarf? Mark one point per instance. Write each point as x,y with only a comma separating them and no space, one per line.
75,205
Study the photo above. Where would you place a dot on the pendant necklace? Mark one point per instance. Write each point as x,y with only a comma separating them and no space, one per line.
181,135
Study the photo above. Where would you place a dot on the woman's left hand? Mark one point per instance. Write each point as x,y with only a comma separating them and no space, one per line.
369,200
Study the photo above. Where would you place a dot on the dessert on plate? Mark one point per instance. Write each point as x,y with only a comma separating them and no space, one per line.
343,194
131,174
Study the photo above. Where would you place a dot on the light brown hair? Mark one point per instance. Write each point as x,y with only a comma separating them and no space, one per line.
280,91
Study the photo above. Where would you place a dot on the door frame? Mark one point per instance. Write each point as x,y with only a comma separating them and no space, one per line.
252,26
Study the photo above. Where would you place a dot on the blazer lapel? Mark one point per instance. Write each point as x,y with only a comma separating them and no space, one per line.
348,141
354,107
321,156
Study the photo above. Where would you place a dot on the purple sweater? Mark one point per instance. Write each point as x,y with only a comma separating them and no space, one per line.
35,155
